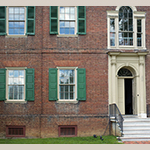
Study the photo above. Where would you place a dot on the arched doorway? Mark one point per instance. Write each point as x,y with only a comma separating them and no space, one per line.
126,90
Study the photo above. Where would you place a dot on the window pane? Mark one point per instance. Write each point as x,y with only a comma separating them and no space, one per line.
71,95
139,40
62,24
72,24
16,94
67,10
16,10
62,30
72,17
62,9
66,24
17,17
112,25
10,10
72,10
112,39
11,73
66,16
16,73
72,31
10,92
62,17
66,30
66,88
11,24
66,95
11,81
11,17
21,17
61,95
22,10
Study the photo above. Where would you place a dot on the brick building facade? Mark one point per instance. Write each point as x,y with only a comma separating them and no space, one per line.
90,51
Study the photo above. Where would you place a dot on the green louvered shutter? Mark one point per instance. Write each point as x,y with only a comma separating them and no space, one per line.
53,25
53,84
2,84
2,20
30,20
29,84
81,19
81,84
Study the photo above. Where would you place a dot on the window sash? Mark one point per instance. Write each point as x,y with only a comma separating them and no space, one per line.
18,25
17,91
67,30
67,89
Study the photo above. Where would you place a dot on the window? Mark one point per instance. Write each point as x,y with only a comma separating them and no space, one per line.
17,84
67,131
16,81
67,84
18,21
67,20
126,28
15,131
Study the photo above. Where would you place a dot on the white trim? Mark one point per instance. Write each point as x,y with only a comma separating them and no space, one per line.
75,96
136,15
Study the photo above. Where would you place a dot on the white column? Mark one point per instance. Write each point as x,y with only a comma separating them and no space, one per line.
142,106
113,75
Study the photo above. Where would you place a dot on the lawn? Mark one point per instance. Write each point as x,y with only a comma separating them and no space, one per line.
63,140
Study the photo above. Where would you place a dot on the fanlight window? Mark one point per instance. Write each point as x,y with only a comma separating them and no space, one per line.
124,72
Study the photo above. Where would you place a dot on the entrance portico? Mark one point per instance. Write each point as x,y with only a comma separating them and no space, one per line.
127,82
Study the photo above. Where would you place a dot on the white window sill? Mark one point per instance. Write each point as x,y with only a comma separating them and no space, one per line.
16,36
67,35
16,101
67,101
128,48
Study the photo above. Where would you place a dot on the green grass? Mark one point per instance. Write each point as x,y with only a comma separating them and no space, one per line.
63,140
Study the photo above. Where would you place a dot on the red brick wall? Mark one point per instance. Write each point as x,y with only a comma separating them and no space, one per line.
44,51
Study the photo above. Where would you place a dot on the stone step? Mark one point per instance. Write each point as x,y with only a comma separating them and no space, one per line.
134,139
137,124
136,135
136,132
136,128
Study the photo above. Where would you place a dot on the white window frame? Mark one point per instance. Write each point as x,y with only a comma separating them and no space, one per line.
7,22
15,100
136,15
75,34
75,96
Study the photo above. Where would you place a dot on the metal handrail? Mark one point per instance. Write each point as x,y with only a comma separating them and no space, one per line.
116,114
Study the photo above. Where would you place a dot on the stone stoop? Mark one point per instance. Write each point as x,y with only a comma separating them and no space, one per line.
136,129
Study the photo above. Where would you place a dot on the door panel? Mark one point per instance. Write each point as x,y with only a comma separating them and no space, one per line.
121,96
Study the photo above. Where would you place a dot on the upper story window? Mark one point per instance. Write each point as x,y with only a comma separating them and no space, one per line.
67,20
17,21
126,28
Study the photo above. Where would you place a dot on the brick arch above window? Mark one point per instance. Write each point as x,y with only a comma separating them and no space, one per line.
132,7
